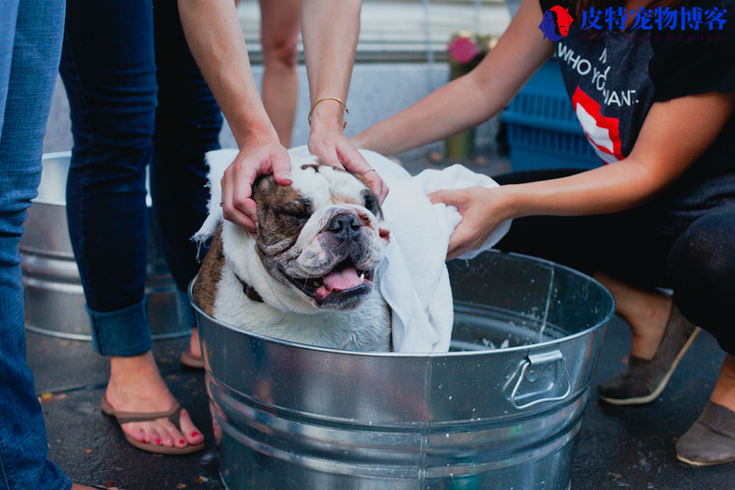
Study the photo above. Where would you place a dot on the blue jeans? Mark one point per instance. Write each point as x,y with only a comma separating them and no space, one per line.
137,98
31,31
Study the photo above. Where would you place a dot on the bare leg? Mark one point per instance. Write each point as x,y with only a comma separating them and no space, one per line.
724,392
136,386
194,347
280,22
646,311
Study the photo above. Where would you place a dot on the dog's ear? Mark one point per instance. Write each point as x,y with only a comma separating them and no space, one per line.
263,186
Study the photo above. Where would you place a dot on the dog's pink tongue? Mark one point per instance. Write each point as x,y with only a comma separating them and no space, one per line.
344,279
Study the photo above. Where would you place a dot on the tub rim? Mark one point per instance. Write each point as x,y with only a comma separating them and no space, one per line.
62,202
431,355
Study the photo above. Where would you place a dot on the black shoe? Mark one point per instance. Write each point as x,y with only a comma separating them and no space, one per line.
644,380
711,440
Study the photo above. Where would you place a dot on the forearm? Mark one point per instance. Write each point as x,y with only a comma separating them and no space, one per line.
469,100
330,29
453,108
664,150
611,188
216,41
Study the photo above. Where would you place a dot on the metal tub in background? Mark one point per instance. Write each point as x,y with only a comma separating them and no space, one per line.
54,298
294,417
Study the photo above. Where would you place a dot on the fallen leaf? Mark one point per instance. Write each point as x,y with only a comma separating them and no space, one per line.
181,485
87,451
201,479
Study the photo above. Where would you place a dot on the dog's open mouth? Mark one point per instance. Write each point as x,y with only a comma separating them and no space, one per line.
342,285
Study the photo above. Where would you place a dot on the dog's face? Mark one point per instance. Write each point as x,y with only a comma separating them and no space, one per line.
323,236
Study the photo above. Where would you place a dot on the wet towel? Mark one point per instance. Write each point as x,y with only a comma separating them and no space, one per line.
413,277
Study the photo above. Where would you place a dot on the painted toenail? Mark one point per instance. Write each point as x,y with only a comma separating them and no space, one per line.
143,441
194,434
182,441
158,441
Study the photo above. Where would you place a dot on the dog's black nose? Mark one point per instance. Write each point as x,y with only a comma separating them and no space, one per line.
344,226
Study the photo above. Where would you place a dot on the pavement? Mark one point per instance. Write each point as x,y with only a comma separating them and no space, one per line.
631,447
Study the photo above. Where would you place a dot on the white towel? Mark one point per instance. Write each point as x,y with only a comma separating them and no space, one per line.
413,277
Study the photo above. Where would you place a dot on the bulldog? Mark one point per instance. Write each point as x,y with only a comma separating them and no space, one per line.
309,273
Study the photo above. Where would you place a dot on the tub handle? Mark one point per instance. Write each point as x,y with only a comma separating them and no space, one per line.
540,365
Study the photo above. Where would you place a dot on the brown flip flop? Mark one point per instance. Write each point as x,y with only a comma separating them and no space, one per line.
187,359
172,415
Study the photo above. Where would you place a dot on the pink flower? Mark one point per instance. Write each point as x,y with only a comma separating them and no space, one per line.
463,50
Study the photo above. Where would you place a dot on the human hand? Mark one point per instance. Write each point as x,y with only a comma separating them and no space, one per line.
259,156
482,211
336,150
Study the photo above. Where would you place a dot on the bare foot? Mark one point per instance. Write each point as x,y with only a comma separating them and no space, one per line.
645,310
724,392
194,347
136,386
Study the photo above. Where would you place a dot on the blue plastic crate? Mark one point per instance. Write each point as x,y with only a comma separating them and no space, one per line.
543,131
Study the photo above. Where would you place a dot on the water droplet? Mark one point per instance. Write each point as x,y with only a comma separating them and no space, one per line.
450,397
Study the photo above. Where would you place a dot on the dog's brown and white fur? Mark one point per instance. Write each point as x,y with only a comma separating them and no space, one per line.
313,261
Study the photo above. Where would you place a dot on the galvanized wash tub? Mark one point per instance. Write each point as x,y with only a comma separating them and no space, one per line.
54,298
289,416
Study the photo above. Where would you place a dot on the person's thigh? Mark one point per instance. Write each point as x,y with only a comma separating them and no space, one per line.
108,68
280,26
8,18
701,270
26,85
188,123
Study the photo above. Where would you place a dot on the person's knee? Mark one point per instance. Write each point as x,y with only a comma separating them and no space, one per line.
282,51
701,268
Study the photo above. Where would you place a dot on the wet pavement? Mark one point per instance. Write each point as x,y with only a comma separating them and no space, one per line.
630,447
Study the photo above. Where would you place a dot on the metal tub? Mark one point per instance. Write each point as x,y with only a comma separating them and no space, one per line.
54,298
289,416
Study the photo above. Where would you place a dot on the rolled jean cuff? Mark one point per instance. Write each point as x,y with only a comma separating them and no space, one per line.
123,333
185,310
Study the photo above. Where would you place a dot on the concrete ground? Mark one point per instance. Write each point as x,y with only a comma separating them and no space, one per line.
617,447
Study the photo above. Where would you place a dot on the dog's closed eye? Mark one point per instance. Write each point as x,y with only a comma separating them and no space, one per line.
371,203
300,210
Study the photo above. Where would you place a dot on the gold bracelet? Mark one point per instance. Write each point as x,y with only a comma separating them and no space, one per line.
347,111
